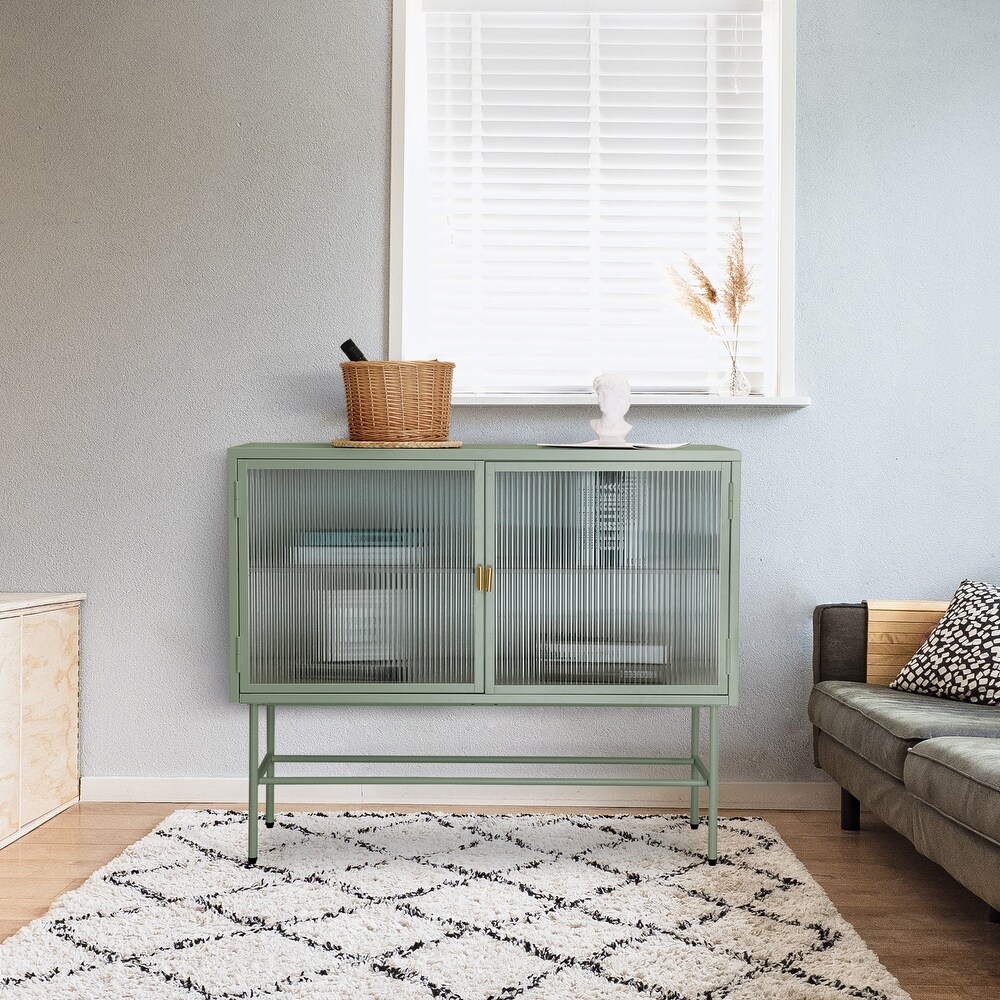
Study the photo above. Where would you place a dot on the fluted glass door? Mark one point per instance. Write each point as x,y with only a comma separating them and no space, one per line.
607,577
362,577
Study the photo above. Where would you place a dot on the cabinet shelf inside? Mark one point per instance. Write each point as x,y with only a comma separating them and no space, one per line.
508,570
544,673
367,568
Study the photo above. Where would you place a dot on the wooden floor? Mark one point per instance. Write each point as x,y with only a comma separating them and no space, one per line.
928,930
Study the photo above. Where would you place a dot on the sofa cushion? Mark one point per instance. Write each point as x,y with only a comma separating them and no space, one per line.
881,725
961,657
960,777
877,790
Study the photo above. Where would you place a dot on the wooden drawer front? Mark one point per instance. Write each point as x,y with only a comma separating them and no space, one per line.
49,711
10,725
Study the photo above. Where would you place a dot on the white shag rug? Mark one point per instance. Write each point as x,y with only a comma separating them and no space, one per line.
418,906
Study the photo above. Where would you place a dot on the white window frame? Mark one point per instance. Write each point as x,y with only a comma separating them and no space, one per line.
779,202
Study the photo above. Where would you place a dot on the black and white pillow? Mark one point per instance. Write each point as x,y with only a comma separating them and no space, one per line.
961,657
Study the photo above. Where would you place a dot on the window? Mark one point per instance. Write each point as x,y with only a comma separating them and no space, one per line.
551,158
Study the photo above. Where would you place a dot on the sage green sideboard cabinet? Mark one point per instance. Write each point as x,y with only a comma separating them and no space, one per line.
499,575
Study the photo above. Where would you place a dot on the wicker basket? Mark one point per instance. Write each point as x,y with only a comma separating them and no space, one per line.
398,400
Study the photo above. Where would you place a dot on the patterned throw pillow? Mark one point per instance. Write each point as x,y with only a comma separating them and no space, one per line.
961,657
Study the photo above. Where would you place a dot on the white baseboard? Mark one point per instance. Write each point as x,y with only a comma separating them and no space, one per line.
734,795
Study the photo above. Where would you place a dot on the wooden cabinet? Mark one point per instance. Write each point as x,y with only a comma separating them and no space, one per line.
10,726
39,708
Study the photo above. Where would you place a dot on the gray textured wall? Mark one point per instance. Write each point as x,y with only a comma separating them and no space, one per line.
193,213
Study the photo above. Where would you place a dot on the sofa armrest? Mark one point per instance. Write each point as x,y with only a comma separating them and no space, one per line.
840,648
840,642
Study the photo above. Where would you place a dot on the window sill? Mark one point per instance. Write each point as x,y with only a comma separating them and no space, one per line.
638,399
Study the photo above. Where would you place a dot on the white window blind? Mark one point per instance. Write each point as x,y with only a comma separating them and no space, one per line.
559,155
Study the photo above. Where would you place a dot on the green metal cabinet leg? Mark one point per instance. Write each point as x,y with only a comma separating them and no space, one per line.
713,784
269,790
695,745
254,788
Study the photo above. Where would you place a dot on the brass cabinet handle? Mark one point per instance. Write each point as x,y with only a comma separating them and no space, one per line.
489,579
479,578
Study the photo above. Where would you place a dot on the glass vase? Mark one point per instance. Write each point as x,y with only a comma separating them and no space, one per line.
735,383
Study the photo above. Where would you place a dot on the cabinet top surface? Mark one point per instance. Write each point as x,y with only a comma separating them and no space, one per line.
24,602
487,452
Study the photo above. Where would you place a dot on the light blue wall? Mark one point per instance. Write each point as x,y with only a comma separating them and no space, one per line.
192,216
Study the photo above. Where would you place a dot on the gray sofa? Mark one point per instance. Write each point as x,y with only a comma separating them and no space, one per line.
929,768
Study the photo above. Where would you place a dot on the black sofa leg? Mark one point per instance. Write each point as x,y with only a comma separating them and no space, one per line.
850,811
994,916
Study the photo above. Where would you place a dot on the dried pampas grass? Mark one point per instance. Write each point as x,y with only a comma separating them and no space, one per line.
699,298
690,300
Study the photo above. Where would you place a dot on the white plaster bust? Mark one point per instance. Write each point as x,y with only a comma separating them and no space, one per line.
614,396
